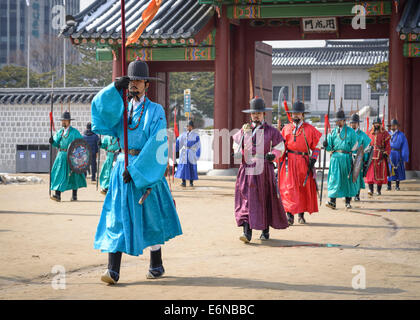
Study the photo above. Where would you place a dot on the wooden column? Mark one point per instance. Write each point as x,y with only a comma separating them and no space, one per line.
408,103
396,70
414,143
222,88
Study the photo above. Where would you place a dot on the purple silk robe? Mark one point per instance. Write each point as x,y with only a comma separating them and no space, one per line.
257,200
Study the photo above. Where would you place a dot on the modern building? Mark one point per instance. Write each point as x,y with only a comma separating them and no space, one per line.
308,72
43,17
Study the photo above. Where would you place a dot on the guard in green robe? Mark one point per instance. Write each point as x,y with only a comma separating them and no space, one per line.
341,142
112,147
363,140
62,178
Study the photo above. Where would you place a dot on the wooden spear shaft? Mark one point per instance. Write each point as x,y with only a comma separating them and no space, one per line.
124,72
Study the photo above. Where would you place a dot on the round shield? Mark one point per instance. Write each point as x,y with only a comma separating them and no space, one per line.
358,163
79,156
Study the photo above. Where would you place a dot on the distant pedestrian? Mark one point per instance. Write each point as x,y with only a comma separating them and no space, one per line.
92,140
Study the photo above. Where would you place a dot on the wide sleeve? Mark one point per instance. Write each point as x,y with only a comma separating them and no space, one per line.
105,143
278,147
149,166
330,140
404,149
107,111
387,142
198,144
57,138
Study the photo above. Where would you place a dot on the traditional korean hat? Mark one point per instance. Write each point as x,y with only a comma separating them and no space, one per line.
257,105
354,118
394,122
66,116
339,115
139,70
298,107
377,120
191,123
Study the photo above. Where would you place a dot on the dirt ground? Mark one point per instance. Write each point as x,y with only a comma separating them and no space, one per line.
379,238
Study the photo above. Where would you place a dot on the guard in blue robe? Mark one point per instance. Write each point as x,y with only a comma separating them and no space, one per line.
399,154
125,225
188,147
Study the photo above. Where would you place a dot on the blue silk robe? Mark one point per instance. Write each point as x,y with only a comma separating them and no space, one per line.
111,146
339,183
189,147
399,155
364,141
125,225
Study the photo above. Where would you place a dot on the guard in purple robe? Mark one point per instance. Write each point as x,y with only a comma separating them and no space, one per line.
399,154
258,203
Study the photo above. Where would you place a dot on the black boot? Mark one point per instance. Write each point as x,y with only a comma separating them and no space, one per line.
156,269
331,204
348,200
301,219
379,187
246,237
191,183
357,197
290,218
56,196
183,184
74,196
112,275
389,186
370,193
397,185
265,235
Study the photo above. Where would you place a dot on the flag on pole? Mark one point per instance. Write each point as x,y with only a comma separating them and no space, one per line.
147,17
176,131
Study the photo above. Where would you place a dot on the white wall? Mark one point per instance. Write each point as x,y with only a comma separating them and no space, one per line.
314,77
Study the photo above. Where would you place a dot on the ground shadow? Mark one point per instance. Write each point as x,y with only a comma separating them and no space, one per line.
258,284
49,213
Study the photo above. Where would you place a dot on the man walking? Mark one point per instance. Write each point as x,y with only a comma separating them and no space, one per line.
92,140
399,155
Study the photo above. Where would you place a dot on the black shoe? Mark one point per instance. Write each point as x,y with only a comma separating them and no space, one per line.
183,185
357,198
388,188
191,184
379,193
246,237
290,218
156,269
110,277
348,206
301,219
397,188
331,205
74,196
104,191
265,235
55,198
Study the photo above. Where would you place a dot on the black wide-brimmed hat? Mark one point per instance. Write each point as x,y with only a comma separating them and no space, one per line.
66,116
394,122
340,115
298,107
191,123
354,118
139,70
257,105
377,120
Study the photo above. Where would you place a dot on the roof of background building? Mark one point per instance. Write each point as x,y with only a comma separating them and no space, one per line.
175,19
410,18
333,54
43,95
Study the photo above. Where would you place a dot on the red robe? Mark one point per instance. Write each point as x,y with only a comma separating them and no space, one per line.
296,197
377,172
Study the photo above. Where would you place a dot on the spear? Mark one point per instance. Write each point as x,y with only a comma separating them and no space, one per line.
325,149
124,72
51,128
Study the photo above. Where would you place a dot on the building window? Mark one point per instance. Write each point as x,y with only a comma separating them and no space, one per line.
324,90
352,91
276,90
304,93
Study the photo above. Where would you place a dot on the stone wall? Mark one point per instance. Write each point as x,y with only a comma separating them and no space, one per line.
29,124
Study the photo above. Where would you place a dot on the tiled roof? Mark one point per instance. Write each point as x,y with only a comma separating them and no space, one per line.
43,95
332,55
175,19
410,18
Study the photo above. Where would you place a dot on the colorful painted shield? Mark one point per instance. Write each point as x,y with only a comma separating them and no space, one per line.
358,163
369,151
79,156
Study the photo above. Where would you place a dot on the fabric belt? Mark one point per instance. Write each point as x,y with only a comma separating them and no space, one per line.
133,152
298,152
116,151
395,149
62,150
342,151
